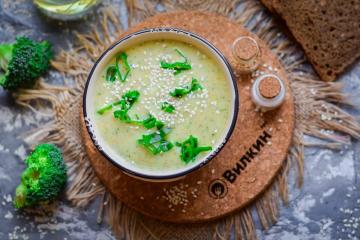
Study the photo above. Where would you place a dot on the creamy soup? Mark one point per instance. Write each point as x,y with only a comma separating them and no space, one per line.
203,111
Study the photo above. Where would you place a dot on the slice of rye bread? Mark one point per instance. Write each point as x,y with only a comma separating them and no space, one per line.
328,31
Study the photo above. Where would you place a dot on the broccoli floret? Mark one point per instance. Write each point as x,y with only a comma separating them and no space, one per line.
23,62
43,179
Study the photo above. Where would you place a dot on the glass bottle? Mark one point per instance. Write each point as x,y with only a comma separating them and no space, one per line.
66,9
268,92
247,54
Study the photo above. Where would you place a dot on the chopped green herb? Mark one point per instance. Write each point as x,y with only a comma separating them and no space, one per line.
156,142
108,107
111,74
149,122
180,92
123,115
123,57
167,107
126,102
177,66
190,149
129,98
164,131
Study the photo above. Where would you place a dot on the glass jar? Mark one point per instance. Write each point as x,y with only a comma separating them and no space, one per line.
268,92
247,54
66,9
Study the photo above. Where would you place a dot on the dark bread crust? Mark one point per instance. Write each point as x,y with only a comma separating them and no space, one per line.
328,31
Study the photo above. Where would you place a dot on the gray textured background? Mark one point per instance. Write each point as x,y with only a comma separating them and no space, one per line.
327,207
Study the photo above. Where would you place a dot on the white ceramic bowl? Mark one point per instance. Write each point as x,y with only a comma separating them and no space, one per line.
131,40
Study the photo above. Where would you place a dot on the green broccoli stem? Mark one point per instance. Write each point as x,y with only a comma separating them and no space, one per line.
6,52
20,196
2,79
5,55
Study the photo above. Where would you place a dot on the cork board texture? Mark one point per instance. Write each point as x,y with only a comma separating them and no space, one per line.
246,165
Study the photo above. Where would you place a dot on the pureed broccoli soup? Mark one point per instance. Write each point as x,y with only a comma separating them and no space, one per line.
162,105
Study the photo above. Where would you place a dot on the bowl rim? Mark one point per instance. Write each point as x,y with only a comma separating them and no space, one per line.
213,153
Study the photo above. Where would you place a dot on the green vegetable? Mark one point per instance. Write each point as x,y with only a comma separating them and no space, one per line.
23,62
180,92
123,57
111,74
126,102
151,122
156,142
177,66
108,107
43,179
122,115
167,107
147,123
190,149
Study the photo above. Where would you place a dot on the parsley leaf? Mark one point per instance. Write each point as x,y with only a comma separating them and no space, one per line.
190,149
149,122
156,142
177,66
129,98
123,115
123,57
180,92
108,107
111,74
167,107
126,102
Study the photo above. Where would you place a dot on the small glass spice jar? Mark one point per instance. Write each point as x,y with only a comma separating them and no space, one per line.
247,54
268,92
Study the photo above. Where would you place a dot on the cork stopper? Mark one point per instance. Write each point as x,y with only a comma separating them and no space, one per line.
247,54
245,48
269,87
268,92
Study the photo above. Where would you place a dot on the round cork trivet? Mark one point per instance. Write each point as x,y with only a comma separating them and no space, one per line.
244,168
269,87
